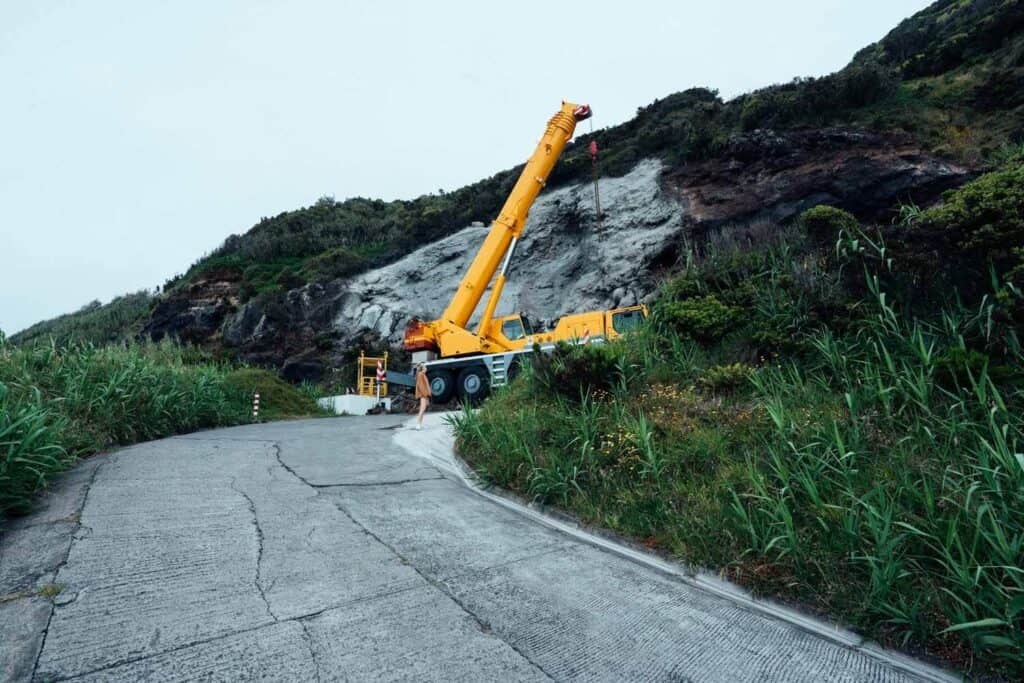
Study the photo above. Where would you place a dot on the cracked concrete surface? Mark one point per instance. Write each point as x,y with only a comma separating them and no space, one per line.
321,550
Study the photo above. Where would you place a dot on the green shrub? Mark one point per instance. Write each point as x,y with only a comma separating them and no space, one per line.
30,448
703,318
824,223
725,377
575,370
984,217
335,263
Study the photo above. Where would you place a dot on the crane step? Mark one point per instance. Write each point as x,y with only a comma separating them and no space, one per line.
499,377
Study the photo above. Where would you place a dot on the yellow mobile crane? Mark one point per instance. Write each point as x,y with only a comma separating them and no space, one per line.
468,363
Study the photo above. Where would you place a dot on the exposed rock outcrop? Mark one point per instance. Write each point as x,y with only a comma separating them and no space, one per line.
566,261
196,313
774,176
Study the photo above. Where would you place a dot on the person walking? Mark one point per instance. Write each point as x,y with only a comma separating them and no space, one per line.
422,391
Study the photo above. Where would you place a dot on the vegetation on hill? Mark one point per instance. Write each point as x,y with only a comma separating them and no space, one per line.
60,403
832,415
94,323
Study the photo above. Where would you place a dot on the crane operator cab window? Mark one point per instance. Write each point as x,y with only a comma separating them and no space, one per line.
513,329
516,328
627,321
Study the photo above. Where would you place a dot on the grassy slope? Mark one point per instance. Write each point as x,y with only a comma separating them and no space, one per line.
95,323
817,418
59,403
950,75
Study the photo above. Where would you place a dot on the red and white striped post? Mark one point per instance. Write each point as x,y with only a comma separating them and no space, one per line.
380,378
256,406
586,336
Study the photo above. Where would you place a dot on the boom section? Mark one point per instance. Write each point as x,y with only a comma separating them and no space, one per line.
510,222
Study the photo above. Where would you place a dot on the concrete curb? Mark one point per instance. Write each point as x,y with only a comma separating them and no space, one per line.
435,443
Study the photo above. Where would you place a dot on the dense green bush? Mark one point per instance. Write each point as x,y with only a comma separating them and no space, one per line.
575,370
825,223
719,378
984,218
335,263
58,403
704,318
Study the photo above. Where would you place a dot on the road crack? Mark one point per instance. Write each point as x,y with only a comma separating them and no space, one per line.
483,626
398,482
64,561
258,580
312,650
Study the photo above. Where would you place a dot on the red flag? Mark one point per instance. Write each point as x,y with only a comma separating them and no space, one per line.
593,149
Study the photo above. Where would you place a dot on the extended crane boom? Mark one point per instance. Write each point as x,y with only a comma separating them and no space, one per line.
469,361
509,225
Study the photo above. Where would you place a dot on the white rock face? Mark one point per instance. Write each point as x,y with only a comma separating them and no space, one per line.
563,263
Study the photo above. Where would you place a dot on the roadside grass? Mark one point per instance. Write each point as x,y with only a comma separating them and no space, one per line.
58,403
831,447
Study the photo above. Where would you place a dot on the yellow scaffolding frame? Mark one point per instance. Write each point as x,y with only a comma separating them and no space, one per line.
367,377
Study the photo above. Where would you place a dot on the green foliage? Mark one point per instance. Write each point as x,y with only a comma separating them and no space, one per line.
278,399
94,323
60,403
576,370
703,318
825,223
719,378
816,101
984,218
335,263
946,34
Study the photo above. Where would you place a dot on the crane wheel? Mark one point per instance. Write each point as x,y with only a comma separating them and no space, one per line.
442,385
474,383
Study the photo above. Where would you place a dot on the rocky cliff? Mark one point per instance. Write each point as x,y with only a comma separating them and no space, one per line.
566,260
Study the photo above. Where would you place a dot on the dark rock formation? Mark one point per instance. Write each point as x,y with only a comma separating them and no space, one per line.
195,313
764,175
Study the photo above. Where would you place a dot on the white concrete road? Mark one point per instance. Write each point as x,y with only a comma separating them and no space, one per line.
323,550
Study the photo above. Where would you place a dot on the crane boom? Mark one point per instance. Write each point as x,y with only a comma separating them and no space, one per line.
509,224
479,357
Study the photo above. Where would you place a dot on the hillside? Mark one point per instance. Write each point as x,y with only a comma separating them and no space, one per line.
935,101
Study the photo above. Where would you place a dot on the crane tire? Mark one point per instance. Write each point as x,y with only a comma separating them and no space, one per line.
442,385
474,383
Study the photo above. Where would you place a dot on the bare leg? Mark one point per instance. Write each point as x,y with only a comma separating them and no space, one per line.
424,402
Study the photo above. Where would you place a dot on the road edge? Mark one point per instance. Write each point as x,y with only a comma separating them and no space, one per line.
436,443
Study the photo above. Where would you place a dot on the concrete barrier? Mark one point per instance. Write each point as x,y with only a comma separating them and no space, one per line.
351,404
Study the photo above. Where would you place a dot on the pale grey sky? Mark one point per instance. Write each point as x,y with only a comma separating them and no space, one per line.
136,135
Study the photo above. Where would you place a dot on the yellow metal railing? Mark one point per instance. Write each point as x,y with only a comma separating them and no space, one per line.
366,382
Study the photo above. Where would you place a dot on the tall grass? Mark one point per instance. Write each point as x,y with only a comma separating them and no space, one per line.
57,403
875,470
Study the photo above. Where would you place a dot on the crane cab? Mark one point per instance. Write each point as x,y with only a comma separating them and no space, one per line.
515,332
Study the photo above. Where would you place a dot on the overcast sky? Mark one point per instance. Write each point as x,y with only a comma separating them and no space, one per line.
136,135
